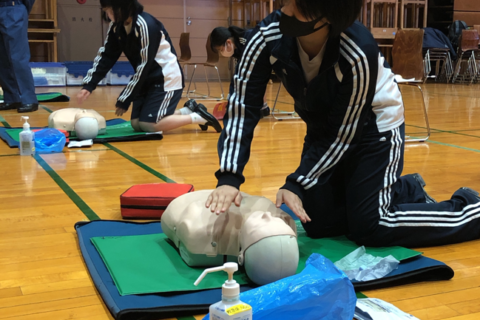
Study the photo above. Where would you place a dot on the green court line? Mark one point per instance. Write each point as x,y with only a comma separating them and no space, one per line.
75,151
47,109
453,146
4,122
87,211
461,134
132,159
360,295
186,318
447,131
139,163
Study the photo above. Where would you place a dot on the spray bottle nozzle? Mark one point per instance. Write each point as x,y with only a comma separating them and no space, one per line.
229,267
26,125
230,288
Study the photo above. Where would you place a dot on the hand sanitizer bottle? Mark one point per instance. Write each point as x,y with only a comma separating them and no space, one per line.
230,308
27,143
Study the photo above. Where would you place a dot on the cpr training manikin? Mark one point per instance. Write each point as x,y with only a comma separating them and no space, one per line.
85,124
258,235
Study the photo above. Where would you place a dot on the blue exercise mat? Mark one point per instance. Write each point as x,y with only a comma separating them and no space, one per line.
155,306
12,143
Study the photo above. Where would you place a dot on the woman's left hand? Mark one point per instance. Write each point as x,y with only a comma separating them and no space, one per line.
293,202
119,112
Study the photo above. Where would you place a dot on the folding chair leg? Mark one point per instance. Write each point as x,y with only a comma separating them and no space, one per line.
427,123
185,93
206,80
286,115
449,67
220,82
208,96
458,67
473,67
190,83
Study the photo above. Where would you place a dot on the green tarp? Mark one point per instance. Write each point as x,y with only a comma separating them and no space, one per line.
123,129
49,97
150,264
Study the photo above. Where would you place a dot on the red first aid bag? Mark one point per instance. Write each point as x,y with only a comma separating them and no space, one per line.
149,201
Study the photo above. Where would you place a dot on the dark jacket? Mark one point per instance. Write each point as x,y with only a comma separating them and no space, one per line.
334,105
150,51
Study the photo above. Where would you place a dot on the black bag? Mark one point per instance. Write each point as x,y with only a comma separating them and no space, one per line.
434,38
455,31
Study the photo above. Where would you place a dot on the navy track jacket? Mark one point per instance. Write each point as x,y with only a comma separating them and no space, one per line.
354,84
150,51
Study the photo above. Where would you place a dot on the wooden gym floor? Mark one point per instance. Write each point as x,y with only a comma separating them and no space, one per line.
42,274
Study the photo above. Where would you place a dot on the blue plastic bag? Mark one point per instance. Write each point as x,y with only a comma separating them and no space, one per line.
49,141
320,291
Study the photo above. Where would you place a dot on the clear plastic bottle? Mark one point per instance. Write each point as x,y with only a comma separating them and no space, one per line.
230,308
27,142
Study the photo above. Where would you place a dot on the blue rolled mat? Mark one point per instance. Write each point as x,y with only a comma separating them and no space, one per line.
155,306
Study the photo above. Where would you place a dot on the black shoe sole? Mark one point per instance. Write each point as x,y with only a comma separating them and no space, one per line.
191,104
27,110
10,107
211,120
194,106
470,190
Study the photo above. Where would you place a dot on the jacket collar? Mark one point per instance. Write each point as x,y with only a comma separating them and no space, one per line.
286,50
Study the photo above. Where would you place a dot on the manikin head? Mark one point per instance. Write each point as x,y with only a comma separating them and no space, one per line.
269,249
257,234
86,125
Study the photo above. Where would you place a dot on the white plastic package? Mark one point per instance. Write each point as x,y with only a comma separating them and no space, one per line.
361,266
376,309
78,144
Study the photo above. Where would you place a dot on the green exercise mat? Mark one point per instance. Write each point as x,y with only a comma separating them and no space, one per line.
336,248
123,130
49,97
150,264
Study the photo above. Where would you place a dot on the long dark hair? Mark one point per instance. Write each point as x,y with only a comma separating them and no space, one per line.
122,9
220,35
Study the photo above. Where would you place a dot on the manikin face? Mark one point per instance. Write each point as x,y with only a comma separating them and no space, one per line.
109,12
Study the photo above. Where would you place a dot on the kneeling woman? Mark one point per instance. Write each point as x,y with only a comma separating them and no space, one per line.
156,87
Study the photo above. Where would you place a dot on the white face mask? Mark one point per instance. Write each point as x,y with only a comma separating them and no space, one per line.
228,50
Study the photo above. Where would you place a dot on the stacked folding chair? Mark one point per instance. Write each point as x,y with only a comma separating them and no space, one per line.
466,68
443,64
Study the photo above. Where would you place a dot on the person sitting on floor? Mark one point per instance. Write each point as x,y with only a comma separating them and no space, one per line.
349,178
156,87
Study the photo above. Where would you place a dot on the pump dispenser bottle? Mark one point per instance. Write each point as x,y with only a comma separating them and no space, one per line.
230,308
27,143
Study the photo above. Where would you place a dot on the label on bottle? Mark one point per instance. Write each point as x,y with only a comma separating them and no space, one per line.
25,146
238,308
